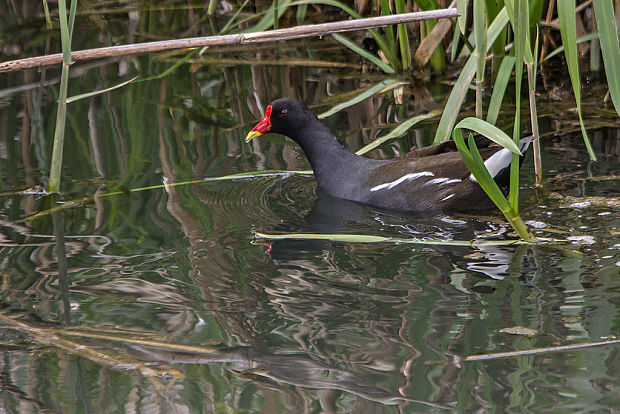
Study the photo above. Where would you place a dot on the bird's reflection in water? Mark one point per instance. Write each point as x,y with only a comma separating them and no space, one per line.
332,215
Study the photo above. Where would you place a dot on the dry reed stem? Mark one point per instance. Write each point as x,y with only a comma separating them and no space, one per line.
534,351
239,38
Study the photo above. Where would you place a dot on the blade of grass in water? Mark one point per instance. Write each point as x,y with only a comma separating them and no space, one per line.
396,132
364,53
568,31
499,88
359,98
481,49
269,16
238,176
520,28
403,37
491,132
365,238
531,83
385,48
560,49
475,164
389,31
48,19
89,94
301,13
461,6
61,115
610,48
457,96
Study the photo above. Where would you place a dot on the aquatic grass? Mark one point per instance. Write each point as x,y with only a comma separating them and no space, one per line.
531,81
610,49
568,31
124,191
560,49
459,90
400,130
475,164
480,32
499,88
519,20
364,53
538,351
66,31
98,92
379,87
367,238
403,37
114,359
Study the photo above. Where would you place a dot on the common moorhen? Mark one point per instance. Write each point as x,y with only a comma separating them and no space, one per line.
424,179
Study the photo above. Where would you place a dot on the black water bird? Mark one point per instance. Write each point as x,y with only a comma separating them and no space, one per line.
426,179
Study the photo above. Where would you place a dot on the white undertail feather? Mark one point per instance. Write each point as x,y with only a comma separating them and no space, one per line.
501,159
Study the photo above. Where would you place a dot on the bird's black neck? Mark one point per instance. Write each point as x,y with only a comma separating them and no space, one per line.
335,166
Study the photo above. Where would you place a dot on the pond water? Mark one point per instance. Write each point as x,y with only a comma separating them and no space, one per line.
166,301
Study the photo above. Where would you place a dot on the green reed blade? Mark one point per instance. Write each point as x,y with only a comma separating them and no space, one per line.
358,98
490,131
610,49
389,30
560,49
480,38
484,178
461,6
381,43
212,7
364,53
520,28
456,39
270,16
403,37
276,6
89,94
48,19
61,115
366,238
475,164
455,101
458,93
568,31
300,16
499,88
233,18
396,132
480,31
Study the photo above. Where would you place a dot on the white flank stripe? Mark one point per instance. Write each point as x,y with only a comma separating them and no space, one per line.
442,181
406,177
496,163
445,198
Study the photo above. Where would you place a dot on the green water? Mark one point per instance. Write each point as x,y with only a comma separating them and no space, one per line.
287,326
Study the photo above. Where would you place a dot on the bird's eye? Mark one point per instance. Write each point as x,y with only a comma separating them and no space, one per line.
284,112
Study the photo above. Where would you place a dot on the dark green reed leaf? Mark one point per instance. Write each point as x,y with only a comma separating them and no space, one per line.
364,53
568,31
499,88
358,98
608,34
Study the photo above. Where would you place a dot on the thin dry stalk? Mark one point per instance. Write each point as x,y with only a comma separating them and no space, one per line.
115,360
240,38
534,351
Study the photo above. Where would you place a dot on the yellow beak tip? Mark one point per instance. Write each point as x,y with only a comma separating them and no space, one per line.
251,135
